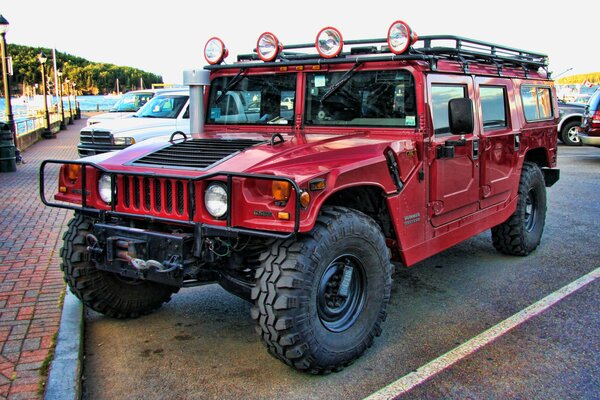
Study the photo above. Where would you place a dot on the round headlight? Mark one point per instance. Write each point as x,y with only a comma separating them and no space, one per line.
215,199
329,42
104,189
268,46
400,37
215,51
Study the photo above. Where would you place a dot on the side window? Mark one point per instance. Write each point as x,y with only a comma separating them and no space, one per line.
440,96
493,107
537,102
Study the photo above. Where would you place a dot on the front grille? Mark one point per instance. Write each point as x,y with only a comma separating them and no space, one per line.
196,153
95,137
147,195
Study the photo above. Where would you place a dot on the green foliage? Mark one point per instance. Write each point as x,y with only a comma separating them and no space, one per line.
90,77
593,77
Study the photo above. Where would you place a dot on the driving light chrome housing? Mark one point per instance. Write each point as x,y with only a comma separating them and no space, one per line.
215,199
215,51
329,42
268,47
400,37
104,189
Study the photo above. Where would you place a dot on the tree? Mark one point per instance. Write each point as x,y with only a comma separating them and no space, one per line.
90,77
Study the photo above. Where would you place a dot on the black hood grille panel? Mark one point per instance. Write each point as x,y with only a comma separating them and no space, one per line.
196,153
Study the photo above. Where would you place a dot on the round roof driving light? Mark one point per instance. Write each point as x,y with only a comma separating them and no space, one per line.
329,42
215,51
400,37
268,46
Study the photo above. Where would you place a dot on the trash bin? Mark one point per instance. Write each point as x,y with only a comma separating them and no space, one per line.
8,162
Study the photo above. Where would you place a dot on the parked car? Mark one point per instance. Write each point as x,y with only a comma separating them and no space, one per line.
571,117
301,212
163,114
127,105
590,129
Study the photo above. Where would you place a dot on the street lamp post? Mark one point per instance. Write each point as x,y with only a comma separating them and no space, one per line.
77,110
8,138
60,101
68,82
42,59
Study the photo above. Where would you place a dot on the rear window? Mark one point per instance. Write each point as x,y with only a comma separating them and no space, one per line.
594,102
537,102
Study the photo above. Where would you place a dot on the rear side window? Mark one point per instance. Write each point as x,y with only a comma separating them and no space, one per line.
440,96
537,102
493,107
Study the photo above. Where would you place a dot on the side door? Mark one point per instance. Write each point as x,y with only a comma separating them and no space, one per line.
454,159
500,139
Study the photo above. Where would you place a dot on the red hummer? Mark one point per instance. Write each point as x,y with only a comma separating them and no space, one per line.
311,168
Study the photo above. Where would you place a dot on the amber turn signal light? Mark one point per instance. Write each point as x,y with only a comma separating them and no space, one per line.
304,199
281,190
73,171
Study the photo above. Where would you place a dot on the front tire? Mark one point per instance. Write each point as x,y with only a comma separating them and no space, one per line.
522,232
103,291
320,299
569,134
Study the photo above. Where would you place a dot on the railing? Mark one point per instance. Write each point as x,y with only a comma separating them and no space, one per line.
29,123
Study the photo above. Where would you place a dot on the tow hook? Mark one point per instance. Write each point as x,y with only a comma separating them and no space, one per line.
93,246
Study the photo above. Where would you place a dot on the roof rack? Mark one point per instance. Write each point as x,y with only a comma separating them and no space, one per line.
427,48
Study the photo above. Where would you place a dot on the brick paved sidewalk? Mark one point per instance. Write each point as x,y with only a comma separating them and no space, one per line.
31,283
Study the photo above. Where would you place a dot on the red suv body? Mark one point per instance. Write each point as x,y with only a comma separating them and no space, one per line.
310,175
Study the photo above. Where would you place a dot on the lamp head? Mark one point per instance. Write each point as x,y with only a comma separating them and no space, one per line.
3,25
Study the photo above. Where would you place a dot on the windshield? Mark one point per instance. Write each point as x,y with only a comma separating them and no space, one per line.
131,102
254,99
165,106
370,98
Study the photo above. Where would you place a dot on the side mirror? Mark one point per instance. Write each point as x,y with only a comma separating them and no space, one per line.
460,116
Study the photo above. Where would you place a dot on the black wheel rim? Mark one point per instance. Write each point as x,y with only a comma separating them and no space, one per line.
338,312
530,210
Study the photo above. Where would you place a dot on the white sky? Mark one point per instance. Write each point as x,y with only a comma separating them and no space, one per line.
167,37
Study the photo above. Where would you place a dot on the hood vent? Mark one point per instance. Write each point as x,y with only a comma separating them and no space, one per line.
196,153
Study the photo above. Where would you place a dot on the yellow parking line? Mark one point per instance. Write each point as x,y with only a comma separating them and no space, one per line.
434,367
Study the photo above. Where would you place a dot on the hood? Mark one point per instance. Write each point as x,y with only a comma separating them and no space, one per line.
109,116
300,156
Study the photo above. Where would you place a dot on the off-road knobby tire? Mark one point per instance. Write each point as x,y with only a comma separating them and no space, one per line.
513,236
103,291
566,138
287,287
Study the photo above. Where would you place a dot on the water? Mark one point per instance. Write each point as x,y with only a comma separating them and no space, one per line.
86,103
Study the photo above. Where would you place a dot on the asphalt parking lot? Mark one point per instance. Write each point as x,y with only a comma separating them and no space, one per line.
202,344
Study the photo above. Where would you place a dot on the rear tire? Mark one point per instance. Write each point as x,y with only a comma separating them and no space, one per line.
306,315
522,232
103,291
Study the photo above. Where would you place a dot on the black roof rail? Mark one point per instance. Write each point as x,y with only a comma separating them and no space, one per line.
426,48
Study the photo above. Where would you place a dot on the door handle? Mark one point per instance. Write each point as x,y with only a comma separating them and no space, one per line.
475,149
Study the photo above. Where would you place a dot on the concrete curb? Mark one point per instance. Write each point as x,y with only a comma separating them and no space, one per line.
65,371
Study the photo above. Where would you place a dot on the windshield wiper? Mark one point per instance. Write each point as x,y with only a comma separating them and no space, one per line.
234,81
345,78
